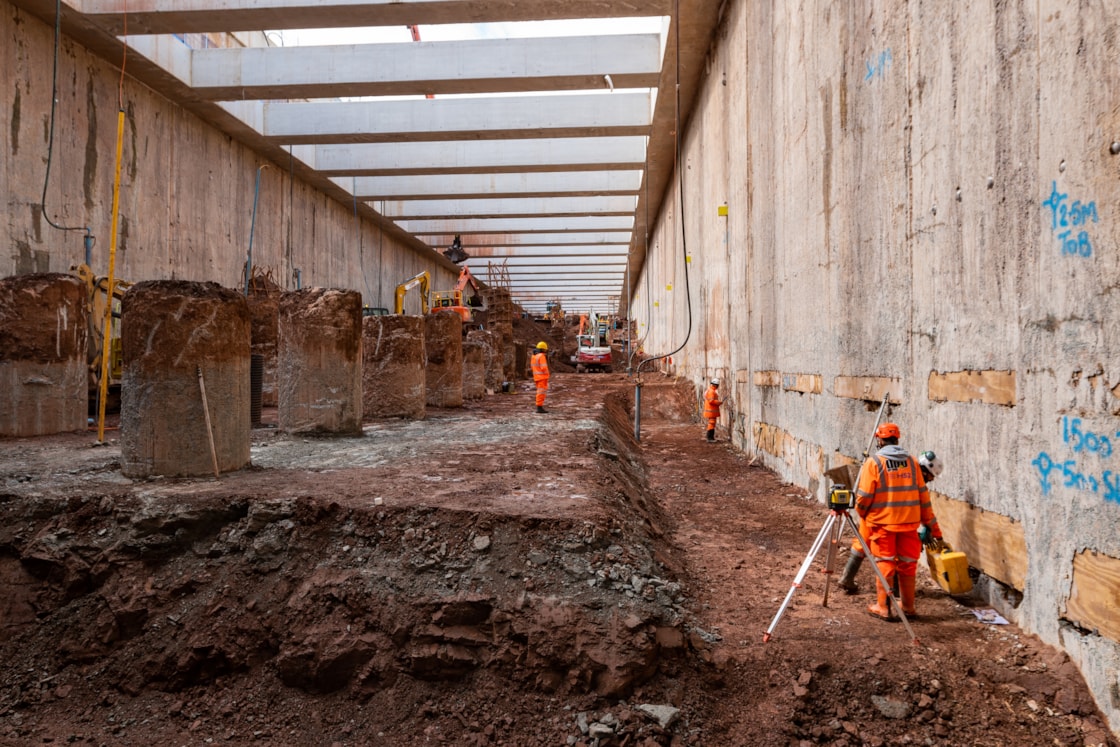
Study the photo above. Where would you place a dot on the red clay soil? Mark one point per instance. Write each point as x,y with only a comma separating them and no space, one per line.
485,576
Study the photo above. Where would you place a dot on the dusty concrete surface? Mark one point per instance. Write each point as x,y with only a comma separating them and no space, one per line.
393,373
179,341
922,202
493,376
485,576
44,332
443,367
474,369
319,367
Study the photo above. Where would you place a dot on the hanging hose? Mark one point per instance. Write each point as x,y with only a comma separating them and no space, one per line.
88,240
252,230
684,240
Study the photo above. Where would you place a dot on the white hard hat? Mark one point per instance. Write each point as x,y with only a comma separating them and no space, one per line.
930,461
715,382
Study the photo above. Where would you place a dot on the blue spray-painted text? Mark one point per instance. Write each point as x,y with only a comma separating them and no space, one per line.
877,68
1066,217
1070,473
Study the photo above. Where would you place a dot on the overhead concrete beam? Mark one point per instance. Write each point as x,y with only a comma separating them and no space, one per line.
528,207
482,156
454,67
562,226
466,118
536,184
501,244
198,16
528,263
567,250
572,273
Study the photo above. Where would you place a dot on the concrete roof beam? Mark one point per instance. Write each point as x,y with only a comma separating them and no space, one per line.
200,16
538,184
528,207
458,67
461,118
481,156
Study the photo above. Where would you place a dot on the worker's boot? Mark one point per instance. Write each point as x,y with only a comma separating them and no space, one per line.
540,408
711,434
847,581
906,586
881,609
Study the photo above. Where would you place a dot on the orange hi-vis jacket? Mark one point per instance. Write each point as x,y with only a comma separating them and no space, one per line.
711,403
539,363
892,494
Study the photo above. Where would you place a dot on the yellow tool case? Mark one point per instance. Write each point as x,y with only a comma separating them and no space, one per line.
950,570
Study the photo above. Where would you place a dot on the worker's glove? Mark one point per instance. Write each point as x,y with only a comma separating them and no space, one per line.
937,544
925,535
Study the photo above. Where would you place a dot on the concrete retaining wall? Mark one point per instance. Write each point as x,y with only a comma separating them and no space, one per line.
923,202
187,191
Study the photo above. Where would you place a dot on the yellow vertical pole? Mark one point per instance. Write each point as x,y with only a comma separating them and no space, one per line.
106,341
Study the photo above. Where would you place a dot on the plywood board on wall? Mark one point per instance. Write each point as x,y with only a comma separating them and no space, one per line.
989,387
994,543
1095,594
871,388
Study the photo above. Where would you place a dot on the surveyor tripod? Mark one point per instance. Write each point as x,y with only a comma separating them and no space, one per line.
839,503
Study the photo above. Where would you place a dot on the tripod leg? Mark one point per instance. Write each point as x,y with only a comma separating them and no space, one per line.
830,562
882,579
821,536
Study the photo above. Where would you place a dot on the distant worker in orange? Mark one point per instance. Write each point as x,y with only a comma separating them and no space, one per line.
931,467
539,364
893,502
711,407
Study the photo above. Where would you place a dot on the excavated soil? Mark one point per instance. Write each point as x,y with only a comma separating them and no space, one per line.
485,576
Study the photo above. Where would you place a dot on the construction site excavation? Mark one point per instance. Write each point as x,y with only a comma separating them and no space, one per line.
702,373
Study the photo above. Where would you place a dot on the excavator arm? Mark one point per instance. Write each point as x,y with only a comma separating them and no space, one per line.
422,279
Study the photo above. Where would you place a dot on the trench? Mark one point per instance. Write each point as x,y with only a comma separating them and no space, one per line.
171,586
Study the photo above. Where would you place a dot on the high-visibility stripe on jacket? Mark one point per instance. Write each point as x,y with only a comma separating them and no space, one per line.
892,494
539,363
711,403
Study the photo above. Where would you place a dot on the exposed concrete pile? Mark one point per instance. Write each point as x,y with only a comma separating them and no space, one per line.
393,370
499,319
492,357
170,330
320,362
474,369
443,345
44,331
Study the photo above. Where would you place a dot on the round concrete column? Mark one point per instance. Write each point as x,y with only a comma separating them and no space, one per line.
170,330
393,371
443,343
44,334
474,369
319,362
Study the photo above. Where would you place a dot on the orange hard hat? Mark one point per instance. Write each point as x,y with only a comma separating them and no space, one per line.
887,430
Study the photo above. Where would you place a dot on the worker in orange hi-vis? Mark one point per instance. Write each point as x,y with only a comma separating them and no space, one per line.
893,501
711,407
539,364
931,466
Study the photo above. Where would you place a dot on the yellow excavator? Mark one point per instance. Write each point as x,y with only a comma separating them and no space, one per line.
421,279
